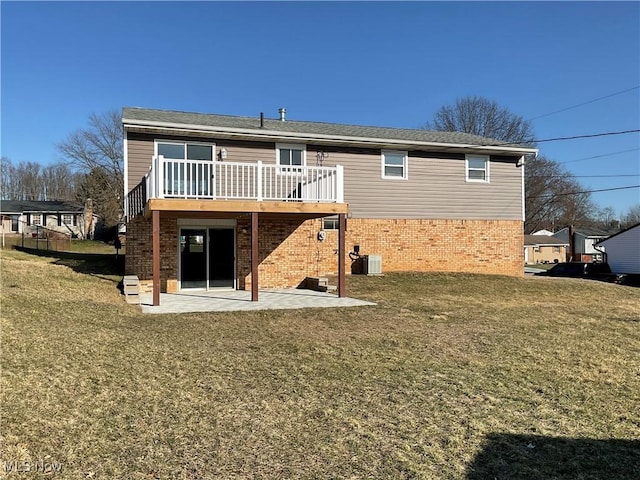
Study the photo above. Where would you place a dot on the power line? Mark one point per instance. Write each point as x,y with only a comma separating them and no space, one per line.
592,135
585,191
587,176
600,156
586,103
556,139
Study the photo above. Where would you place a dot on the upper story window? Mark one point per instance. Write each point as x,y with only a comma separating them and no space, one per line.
291,155
394,164
477,168
186,151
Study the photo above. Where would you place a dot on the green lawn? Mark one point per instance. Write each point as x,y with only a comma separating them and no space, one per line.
449,376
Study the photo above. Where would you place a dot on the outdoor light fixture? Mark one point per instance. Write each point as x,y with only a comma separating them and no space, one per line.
223,154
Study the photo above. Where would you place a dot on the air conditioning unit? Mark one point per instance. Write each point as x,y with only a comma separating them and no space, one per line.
373,265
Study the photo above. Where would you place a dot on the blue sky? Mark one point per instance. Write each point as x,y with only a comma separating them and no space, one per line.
387,64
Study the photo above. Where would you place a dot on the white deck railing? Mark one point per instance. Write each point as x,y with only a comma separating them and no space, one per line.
198,179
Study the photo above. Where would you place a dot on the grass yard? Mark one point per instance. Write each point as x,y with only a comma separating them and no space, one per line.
450,376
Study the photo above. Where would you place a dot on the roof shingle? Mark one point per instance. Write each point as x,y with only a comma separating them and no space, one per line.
132,114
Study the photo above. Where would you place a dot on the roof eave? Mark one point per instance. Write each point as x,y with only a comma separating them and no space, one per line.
264,134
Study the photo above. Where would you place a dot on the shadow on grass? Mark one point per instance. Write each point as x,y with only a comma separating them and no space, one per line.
102,265
529,457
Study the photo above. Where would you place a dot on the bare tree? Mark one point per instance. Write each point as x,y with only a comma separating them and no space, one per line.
631,217
484,117
552,197
60,182
97,151
29,180
607,219
8,187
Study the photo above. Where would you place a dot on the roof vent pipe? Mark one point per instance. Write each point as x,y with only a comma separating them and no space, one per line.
283,112
261,119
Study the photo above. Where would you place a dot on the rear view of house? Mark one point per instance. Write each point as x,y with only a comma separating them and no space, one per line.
217,201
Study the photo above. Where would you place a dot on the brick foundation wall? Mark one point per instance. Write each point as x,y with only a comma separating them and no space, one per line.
138,260
472,246
290,250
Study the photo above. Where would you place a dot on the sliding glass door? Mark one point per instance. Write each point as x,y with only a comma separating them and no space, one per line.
207,258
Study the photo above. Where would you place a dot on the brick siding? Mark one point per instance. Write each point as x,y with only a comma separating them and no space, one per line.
289,250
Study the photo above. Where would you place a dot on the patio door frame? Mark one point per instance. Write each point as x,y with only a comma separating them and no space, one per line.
207,224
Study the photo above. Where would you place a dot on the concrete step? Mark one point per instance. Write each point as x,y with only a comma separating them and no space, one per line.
131,289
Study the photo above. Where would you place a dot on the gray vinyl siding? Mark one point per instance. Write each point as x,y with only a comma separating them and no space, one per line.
141,150
435,188
623,251
139,153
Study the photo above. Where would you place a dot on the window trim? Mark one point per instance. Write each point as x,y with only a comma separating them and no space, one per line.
214,152
72,223
405,164
331,222
486,170
286,169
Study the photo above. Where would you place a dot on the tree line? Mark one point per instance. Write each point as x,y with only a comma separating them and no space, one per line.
93,167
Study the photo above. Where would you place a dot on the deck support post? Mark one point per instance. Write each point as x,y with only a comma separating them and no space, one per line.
254,256
342,228
155,229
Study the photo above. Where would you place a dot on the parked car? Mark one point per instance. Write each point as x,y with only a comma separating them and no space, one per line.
595,271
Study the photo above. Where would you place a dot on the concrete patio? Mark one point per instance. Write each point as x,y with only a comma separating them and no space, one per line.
233,300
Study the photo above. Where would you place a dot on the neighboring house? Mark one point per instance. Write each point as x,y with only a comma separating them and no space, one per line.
583,243
27,216
544,249
222,201
543,232
623,250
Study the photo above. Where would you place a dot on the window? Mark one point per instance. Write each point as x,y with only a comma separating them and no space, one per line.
394,164
291,155
556,249
185,151
536,249
330,223
36,219
477,168
67,219
188,168
14,222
